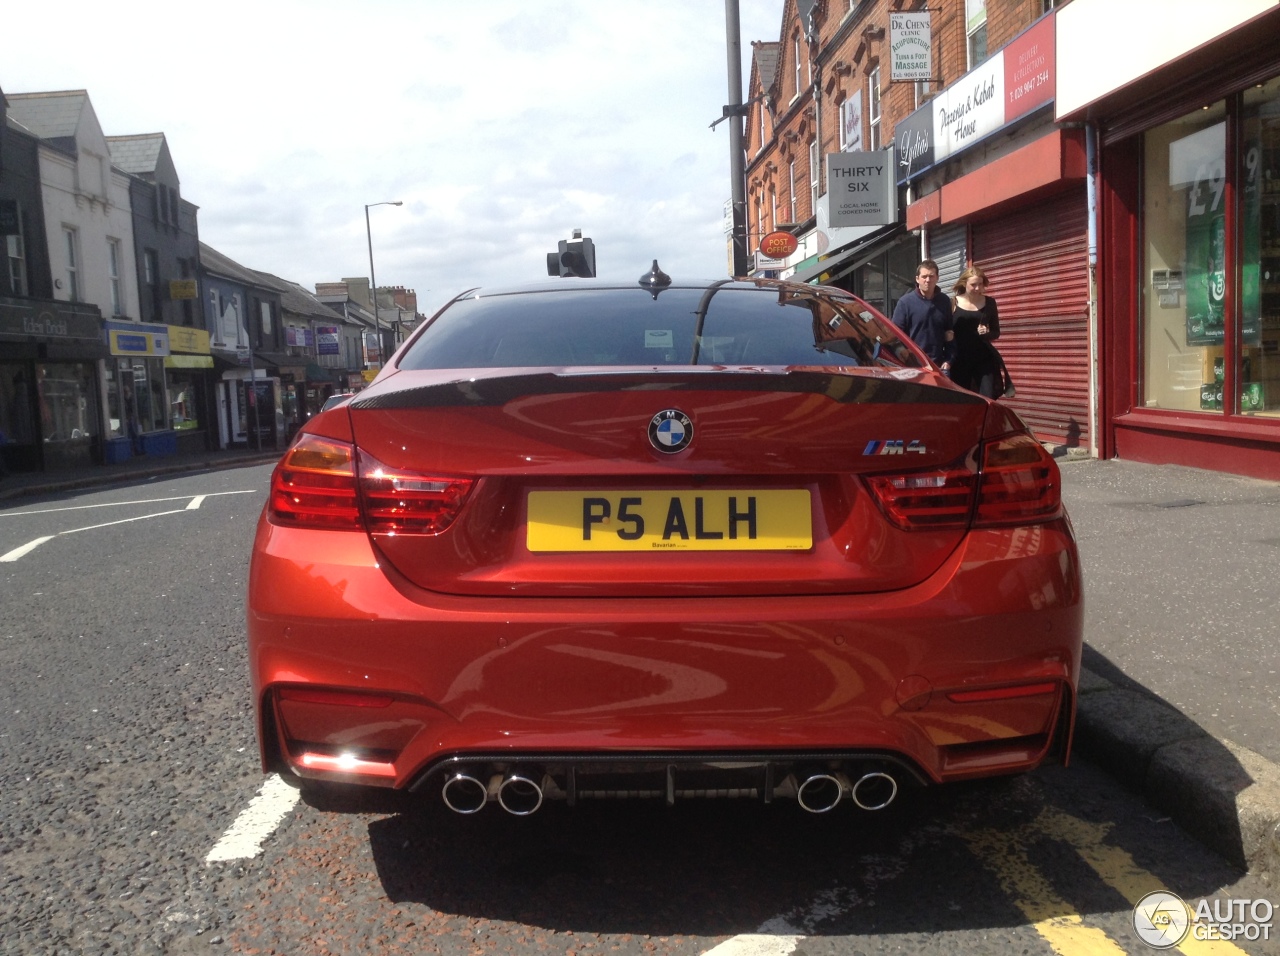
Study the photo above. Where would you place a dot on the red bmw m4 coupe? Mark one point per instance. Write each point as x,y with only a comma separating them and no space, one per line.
663,539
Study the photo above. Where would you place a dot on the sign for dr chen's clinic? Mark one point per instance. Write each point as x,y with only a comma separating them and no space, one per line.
910,46
861,189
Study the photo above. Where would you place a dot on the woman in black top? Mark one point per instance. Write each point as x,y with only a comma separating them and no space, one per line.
977,365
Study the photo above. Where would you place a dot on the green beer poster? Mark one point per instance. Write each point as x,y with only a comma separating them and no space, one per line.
1199,162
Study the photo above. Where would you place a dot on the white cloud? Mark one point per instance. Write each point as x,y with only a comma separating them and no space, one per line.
500,125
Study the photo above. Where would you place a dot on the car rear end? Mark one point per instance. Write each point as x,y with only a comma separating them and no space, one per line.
730,539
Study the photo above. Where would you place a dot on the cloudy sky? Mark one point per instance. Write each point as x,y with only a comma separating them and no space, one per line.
500,125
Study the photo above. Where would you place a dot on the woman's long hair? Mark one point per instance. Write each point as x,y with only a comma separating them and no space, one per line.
966,276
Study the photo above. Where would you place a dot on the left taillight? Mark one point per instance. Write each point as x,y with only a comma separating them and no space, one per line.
1010,480
325,483
1020,483
397,501
314,486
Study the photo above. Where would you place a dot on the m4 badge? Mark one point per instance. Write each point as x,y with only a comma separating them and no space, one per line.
900,447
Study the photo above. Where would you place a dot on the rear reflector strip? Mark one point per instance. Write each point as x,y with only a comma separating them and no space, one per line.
1002,693
345,763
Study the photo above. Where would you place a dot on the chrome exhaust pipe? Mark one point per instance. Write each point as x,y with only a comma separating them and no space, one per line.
820,792
875,790
465,794
519,796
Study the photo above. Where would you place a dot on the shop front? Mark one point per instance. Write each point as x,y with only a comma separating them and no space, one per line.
50,357
189,379
137,398
1189,190
996,184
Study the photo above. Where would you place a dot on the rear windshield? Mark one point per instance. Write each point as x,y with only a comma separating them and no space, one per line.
625,327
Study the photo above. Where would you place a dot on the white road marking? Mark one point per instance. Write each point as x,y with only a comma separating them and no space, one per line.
753,944
117,504
108,524
256,822
16,553
194,504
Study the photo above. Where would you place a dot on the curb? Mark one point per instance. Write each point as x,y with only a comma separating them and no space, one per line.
1224,795
104,476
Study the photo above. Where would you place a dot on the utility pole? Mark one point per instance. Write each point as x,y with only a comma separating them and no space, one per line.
734,111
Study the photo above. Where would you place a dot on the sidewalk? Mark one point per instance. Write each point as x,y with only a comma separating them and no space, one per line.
17,485
1179,695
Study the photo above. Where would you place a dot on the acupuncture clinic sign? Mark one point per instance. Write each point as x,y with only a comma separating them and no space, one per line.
860,189
1014,81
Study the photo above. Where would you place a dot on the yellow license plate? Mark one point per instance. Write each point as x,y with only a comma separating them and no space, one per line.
737,520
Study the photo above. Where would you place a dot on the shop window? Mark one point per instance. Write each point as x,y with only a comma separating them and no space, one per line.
17,407
184,400
71,240
65,398
17,265
1258,364
151,274
795,42
873,109
113,276
1184,268
139,404
791,176
813,177
975,12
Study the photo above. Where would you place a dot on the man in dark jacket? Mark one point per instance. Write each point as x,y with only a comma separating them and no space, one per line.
925,315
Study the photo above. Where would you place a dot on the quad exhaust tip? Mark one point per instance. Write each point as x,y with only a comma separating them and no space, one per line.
464,794
522,795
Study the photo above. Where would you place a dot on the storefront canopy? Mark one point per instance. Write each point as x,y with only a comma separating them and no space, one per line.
318,373
834,264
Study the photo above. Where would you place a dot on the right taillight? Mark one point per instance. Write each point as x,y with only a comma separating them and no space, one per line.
1019,483
1016,482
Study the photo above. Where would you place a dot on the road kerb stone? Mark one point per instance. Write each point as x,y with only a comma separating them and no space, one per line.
1223,794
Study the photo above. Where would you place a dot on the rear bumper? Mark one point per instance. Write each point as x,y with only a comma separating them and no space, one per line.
360,677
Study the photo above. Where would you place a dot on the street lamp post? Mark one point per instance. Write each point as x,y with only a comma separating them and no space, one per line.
373,282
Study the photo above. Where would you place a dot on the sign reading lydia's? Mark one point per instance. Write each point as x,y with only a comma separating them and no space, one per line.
861,189
1016,80
910,46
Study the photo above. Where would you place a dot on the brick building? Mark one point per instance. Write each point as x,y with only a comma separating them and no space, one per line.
980,172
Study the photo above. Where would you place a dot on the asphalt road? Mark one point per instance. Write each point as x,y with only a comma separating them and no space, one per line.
129,760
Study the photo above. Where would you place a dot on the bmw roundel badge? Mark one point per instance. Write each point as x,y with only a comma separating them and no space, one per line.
670,430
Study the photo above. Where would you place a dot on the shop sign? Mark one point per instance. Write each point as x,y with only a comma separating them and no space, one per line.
1029,70
778,245
48,322
861,189
913,143
969,110
910,46
851,121
327,340
134,338
297,337
183,338
1017,79
182,289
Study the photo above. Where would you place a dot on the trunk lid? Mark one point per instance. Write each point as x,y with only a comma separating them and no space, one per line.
573,497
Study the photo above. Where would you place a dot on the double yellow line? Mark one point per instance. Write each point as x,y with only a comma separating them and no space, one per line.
1004,854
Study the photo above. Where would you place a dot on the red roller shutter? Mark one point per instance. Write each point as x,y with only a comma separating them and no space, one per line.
1036,260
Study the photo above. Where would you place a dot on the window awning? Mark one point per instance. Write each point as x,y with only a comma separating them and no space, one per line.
318,373
835,264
